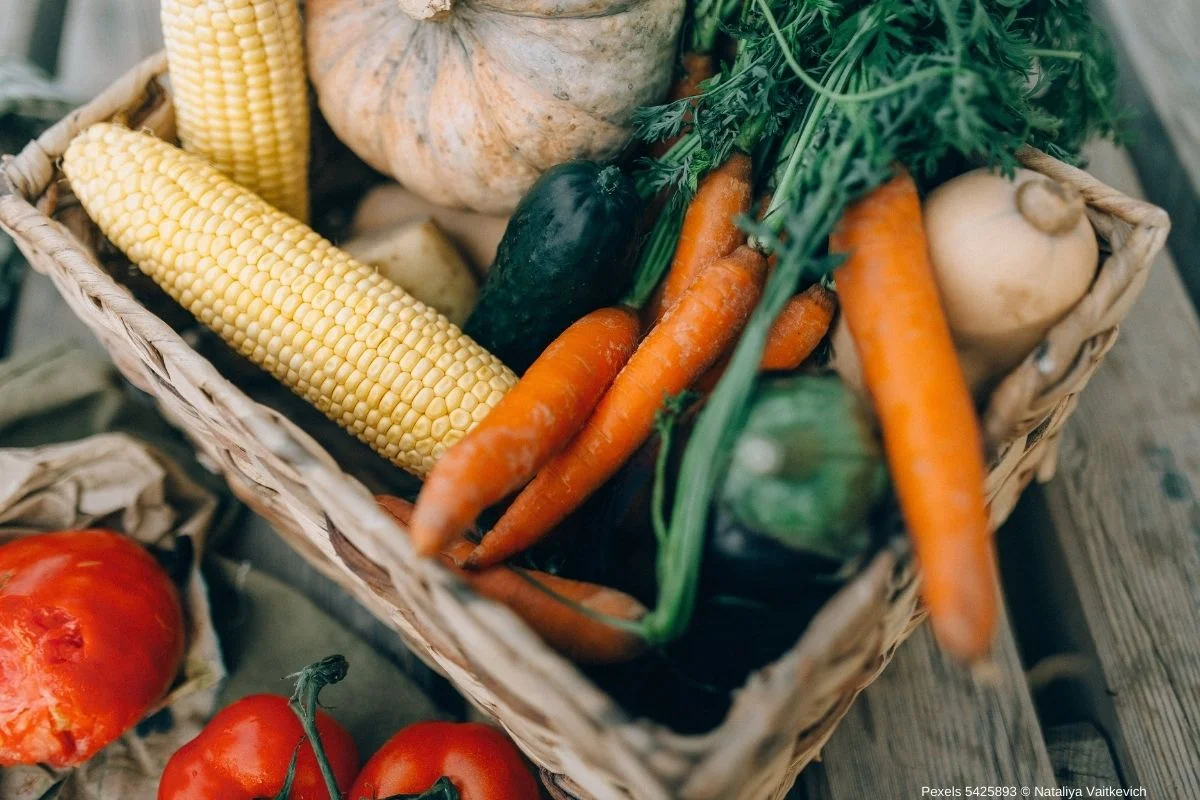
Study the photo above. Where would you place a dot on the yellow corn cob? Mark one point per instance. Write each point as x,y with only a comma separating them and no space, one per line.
392,371
241,97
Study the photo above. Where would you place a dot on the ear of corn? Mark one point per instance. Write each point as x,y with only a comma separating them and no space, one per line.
241,97
392,371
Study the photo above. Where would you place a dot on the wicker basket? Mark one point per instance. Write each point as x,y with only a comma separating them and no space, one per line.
783,715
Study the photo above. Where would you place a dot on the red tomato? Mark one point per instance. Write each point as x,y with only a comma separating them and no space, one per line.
479,760
91,635
244,752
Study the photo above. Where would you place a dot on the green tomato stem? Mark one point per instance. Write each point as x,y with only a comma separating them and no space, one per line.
290,777
442,789
309,683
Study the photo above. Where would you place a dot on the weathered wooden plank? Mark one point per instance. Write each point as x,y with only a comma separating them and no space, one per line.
921,696
1081,757
1158,49
1162,40
928,723
1126,509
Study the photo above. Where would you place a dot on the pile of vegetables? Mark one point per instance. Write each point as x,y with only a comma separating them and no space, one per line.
641,425
836,115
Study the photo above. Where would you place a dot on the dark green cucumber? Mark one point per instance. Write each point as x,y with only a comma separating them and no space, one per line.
567,250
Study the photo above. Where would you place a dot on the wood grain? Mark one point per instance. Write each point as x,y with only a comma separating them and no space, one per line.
1162,39
1081,757
1126,501
927,722
1126,509
1158,55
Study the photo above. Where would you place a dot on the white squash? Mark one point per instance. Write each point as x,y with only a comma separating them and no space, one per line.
1011,259
467,102
419,258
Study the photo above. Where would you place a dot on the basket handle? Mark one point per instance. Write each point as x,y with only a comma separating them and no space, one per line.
1064,361
30,173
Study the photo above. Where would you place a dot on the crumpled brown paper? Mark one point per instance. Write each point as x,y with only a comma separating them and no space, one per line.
114,481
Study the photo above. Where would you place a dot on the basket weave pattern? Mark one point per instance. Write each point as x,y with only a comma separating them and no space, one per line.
783,715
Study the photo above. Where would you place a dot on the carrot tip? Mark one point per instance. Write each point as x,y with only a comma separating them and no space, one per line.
966,639
987,673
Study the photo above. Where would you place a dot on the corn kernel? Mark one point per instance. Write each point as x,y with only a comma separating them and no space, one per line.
241,97
402,378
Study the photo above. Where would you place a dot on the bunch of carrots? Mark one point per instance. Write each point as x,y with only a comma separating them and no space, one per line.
592,399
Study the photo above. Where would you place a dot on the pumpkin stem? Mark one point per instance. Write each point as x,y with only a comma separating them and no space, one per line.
1051,207
426,9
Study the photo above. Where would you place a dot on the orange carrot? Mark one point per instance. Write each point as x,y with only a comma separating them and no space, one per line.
535,419
710,230
572,632
697,68
798,329
679,349
930,432
567,629
793,337
400,509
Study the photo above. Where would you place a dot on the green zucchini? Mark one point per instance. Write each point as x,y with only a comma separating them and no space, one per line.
567,250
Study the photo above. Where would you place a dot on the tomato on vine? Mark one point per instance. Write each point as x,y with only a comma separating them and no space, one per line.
261,747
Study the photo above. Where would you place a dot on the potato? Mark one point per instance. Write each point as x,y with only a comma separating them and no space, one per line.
420,259
391,204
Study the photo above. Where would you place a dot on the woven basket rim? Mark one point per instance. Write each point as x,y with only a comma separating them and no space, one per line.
1136,230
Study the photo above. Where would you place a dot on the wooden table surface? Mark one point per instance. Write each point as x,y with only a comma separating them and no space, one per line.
1098,679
